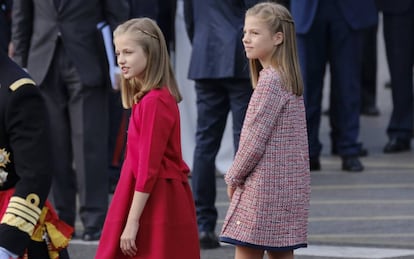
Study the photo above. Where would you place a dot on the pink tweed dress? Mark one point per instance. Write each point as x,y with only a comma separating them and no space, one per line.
269,209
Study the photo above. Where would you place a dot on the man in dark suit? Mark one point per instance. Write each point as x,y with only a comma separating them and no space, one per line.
398,18
329,31
220,70
59,44
25,168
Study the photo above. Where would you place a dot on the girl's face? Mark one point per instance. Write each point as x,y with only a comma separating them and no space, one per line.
130,56
259,43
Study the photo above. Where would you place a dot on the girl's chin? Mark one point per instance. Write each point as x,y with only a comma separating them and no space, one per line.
250,56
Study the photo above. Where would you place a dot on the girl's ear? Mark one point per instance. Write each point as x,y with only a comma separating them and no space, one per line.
278,38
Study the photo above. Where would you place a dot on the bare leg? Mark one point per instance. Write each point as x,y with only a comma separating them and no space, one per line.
280,254
243,252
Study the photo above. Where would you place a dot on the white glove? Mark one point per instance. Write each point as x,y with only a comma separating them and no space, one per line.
5,254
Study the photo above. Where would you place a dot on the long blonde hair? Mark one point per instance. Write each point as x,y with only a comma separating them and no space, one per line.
158,72
284,57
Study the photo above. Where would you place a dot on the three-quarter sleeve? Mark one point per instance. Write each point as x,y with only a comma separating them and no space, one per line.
155,123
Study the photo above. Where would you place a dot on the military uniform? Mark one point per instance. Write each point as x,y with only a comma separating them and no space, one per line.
25,173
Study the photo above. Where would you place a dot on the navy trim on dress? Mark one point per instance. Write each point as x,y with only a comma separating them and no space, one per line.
267,248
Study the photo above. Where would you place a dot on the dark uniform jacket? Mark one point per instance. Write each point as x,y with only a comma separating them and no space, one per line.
24,154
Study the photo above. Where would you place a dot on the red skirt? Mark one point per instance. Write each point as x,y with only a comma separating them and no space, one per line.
167,229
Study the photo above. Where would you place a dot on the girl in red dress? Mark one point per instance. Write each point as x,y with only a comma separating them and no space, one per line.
152,211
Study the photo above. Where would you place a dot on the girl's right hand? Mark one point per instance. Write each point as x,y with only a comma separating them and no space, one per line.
230,191
128,238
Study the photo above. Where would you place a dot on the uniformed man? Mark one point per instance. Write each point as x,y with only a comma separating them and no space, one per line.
27,219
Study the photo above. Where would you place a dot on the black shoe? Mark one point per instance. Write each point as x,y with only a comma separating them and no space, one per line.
208,240
352,164
396,145
370,111
362,152
387,85
91,234
314,164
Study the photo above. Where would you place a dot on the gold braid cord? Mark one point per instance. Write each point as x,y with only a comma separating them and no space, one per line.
22,213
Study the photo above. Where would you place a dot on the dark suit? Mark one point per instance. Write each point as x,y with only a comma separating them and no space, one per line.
220,70
5,23
369,70
25,151
329,31
398,18
162,11
63,51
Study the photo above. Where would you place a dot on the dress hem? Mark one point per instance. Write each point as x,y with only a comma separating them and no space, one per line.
267,248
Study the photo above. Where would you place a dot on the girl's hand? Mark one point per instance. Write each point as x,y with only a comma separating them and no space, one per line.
128,238
230,191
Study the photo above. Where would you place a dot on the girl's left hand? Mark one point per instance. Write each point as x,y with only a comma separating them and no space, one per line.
128,238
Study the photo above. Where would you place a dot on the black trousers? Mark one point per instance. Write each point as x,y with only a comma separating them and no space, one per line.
38,250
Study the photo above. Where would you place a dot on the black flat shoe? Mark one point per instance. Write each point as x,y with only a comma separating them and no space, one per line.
396,145
352,164
91,235
314,164
362,152
208,240
370,111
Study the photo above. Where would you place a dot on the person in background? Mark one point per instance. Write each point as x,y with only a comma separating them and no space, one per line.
5,24
334,28
285,3
398,20
152,212
27,220
269,180
369,72
162,11
220,71
368,81
61,47
368,75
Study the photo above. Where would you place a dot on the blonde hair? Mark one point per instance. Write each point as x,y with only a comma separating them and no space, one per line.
158,72
284,57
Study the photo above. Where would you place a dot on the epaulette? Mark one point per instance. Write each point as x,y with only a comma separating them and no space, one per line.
20,82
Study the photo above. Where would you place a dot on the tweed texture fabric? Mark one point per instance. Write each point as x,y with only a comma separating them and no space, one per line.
271,170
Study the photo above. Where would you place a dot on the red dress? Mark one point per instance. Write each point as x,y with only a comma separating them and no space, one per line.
154,164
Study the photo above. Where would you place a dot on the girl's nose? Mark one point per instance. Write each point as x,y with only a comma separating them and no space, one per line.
120,59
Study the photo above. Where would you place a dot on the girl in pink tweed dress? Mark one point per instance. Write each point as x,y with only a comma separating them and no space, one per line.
269,180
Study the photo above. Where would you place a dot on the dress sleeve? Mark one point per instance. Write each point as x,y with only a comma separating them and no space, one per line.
261,116
156,122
